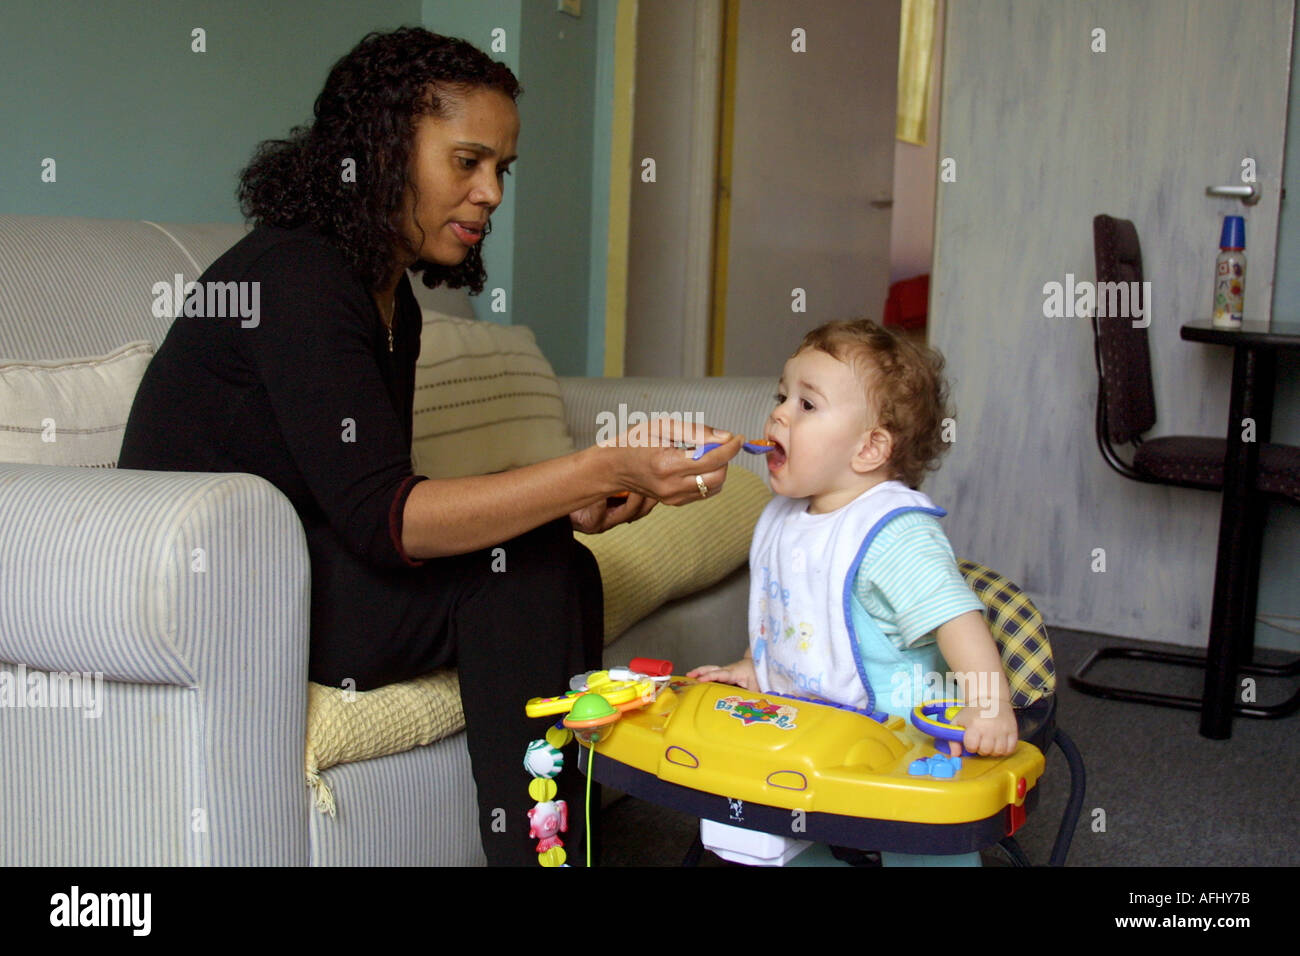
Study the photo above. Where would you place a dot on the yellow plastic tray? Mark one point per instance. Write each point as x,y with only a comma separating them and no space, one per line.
786,753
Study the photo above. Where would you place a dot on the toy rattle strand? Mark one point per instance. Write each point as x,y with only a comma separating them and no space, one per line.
596,700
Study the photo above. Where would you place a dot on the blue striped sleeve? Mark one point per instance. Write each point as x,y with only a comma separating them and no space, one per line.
909,581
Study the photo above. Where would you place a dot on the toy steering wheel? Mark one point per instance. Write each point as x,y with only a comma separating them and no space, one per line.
934,719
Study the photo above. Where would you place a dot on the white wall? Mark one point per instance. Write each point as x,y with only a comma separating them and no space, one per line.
1047,134
813,146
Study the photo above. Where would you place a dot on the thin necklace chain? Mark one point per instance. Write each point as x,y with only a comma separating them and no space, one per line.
392,311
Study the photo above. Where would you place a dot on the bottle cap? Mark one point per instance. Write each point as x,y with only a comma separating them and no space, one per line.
1234,233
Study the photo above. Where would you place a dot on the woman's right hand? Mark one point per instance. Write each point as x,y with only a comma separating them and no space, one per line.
647,463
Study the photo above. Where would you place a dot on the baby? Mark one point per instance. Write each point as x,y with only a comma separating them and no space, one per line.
855,593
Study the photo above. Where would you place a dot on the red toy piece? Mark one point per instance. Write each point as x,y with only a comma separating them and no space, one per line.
651,666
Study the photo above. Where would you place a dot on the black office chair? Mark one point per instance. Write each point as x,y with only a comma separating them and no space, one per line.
1126,409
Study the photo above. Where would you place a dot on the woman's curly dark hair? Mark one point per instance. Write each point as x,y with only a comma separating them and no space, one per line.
368,113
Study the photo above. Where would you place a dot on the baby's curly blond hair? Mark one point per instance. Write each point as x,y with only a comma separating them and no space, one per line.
903,381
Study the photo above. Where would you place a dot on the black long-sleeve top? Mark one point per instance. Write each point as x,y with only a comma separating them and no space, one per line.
305,393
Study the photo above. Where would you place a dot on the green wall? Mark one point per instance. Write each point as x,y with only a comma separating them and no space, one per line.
478,22
602,147
140,127
554,269
553,256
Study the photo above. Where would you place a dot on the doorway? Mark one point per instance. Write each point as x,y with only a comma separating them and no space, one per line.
768,193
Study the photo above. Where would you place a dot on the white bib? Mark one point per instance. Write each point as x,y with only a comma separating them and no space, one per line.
801,629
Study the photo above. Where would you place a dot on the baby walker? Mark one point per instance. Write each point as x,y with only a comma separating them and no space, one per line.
777,765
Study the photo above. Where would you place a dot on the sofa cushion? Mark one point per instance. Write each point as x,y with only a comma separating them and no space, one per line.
486,399
673,552
71,411
347,726
670,553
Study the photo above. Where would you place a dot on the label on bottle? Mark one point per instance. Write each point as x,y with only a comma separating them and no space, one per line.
1229,288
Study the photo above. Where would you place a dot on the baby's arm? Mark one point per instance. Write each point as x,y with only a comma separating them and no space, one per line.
969,649
741,673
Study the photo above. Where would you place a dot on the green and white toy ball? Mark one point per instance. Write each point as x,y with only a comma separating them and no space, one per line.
542,760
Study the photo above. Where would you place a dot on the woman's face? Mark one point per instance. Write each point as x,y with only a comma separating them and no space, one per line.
457,175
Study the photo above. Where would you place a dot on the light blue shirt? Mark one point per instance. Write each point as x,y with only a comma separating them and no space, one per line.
909,582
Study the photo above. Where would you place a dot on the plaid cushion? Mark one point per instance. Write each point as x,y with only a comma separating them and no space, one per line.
1019,630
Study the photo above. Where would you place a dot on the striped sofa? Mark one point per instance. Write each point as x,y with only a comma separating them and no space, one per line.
195,756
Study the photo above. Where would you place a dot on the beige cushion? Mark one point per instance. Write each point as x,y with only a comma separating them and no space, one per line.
346,726
486,400
669,553
72,411
673,552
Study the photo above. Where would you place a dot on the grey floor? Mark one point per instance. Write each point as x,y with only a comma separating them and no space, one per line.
1158,794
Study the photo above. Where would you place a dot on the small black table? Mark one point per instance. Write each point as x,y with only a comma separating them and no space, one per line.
1236,575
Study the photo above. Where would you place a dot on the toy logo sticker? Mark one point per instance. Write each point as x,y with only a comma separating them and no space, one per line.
760,711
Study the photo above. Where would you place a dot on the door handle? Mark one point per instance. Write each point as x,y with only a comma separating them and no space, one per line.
1248,194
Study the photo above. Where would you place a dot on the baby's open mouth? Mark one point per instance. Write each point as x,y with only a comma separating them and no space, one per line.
777,458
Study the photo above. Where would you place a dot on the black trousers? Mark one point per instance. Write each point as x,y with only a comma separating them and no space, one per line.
517,620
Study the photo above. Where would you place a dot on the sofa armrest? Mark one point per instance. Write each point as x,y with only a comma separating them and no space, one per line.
123,572
173,609
736,404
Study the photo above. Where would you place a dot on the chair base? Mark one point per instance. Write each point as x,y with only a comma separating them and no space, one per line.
1178,701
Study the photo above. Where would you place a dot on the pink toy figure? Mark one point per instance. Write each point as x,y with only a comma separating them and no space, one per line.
547,819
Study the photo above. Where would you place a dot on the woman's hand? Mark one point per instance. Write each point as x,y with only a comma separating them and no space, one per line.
602,515
646,463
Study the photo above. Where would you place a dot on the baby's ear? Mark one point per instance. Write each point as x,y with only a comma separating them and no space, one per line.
874,451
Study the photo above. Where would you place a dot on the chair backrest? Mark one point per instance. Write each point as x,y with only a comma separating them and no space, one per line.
1123,357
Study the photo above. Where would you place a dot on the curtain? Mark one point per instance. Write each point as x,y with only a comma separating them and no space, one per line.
915,55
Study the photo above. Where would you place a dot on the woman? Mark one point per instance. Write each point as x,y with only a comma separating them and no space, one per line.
401,169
